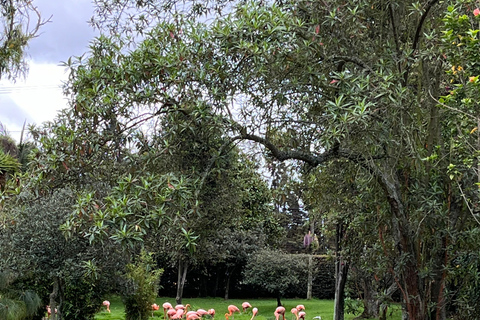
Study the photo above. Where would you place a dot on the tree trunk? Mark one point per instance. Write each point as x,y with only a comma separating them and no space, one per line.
340,281
310,277
182,275
227,284
217,278
53,299
371,305
279,302
341,270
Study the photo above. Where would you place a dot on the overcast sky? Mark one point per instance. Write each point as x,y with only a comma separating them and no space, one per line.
38,97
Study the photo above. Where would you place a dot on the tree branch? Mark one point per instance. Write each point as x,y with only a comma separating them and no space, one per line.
395,37
354,60
416,39
281,155
430,4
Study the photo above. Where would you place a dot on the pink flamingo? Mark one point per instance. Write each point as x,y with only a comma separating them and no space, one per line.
301,315
279,311
245,306
300,307
166,306
178,314
190,313
211,312
49,311
231,310
171,312
193,316
202,312
295,312
106,303
254,313
155,307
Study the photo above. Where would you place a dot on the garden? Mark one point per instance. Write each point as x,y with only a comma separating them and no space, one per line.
323,153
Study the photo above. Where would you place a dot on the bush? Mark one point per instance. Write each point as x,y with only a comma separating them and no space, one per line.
275,271
141,287
82,299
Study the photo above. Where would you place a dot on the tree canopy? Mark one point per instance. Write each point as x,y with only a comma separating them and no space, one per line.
373,102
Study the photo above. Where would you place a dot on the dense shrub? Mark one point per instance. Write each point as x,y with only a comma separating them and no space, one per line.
141,287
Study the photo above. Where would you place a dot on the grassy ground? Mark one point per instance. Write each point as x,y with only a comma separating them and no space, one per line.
266,307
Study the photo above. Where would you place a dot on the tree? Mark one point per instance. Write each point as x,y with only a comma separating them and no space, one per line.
59,270
20,22
316,82
275,271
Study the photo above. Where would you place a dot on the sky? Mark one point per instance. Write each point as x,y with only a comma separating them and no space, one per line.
38,97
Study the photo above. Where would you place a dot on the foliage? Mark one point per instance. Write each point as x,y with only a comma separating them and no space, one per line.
37,249
20,22
16,304
274,271
141,287
8,164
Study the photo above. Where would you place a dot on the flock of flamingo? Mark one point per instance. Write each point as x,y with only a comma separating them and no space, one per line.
180,311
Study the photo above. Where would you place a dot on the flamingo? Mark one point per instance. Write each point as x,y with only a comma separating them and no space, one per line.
211,312
155,307
245,306
193,316
202,312
171,312
279,311
231,310
302,314
166,306
254,313
106,303
300,307
178,314
189,313
49,311
295,312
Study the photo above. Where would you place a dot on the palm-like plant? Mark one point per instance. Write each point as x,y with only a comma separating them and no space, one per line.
16,304
8,165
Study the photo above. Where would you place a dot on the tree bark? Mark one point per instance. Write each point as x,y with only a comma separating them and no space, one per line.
340,281
341,271
53,299
227,284
182,275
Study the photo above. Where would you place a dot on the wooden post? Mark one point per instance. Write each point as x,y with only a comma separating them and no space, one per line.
310,277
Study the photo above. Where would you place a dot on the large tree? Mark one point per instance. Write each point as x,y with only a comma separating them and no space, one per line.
320,81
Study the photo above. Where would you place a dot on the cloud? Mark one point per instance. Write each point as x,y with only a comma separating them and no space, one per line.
12,116
68,34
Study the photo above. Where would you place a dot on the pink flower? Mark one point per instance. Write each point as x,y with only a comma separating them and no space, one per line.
333,81
476,12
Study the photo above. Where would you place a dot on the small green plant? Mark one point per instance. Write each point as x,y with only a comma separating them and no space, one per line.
141,287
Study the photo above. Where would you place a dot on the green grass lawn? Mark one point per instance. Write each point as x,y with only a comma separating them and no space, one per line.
266,307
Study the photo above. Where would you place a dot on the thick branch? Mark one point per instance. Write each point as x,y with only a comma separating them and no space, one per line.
354,60
430,4
386,181
416,39
395,37
282,155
